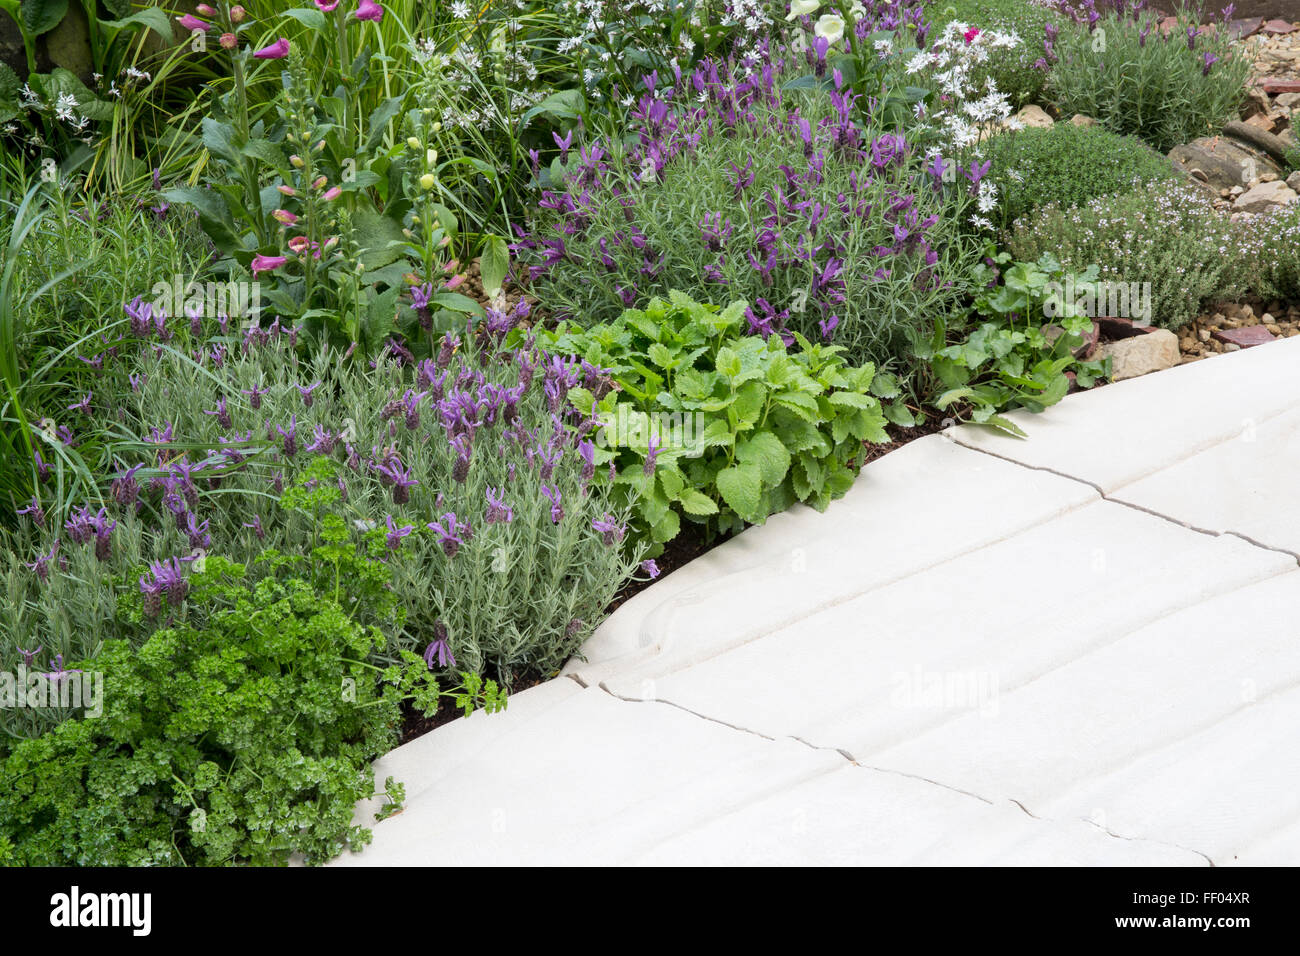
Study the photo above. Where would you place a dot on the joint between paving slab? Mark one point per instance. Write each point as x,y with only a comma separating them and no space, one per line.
1127,504
853,761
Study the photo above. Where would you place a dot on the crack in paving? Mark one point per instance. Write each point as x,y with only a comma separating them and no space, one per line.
1186,525
854,762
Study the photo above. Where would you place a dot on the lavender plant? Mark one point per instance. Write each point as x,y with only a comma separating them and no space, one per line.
469,473
1121,68
721,188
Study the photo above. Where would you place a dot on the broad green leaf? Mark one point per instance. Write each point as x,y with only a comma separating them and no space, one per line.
494,264
741,487
696,502
766,451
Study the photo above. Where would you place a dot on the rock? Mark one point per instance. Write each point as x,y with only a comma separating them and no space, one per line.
1034,116
1235,191
1078,119
1113,327
1232,347
1288,100
1264,197
1140,354
1223,162
1241,29
1276,86
1268,177
1257,137
1293,181
1256,103
1243,338
1261,121
1203,335
1276,27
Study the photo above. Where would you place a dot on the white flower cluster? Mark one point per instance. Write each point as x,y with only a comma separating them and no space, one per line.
971,112
599,25
458,79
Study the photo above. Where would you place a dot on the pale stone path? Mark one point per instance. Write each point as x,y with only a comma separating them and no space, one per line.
1083,648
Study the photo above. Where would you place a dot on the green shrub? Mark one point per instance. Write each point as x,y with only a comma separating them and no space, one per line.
242,735
1274,242
1132,78
219,427
1067,165
719,427
1167,234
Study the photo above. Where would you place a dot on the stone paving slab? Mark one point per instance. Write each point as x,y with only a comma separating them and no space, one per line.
1244,485
990,652
588,779
924,504
1121,433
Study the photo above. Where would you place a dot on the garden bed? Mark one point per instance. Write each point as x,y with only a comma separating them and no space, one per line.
340,403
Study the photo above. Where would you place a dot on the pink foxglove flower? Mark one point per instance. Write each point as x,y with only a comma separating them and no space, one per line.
267,263
369,10
276,51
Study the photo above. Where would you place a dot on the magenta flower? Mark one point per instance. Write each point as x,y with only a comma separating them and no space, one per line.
369,10
276,51
262,263
327,6
191,23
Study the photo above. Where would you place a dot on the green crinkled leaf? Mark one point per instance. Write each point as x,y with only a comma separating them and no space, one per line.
741,487
42,16
696,502
765,450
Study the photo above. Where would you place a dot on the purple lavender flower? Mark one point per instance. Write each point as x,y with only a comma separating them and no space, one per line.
254,396
59,674
396,475
82,406
395,534
1208,60
30,656
36,511
609,530
324,441
498,512
197,533
652,454
553,496
141,315
165,579
221,413
650,568
305,392
439,649
41,565
290,437
103,530
256,526
449,531
42,468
